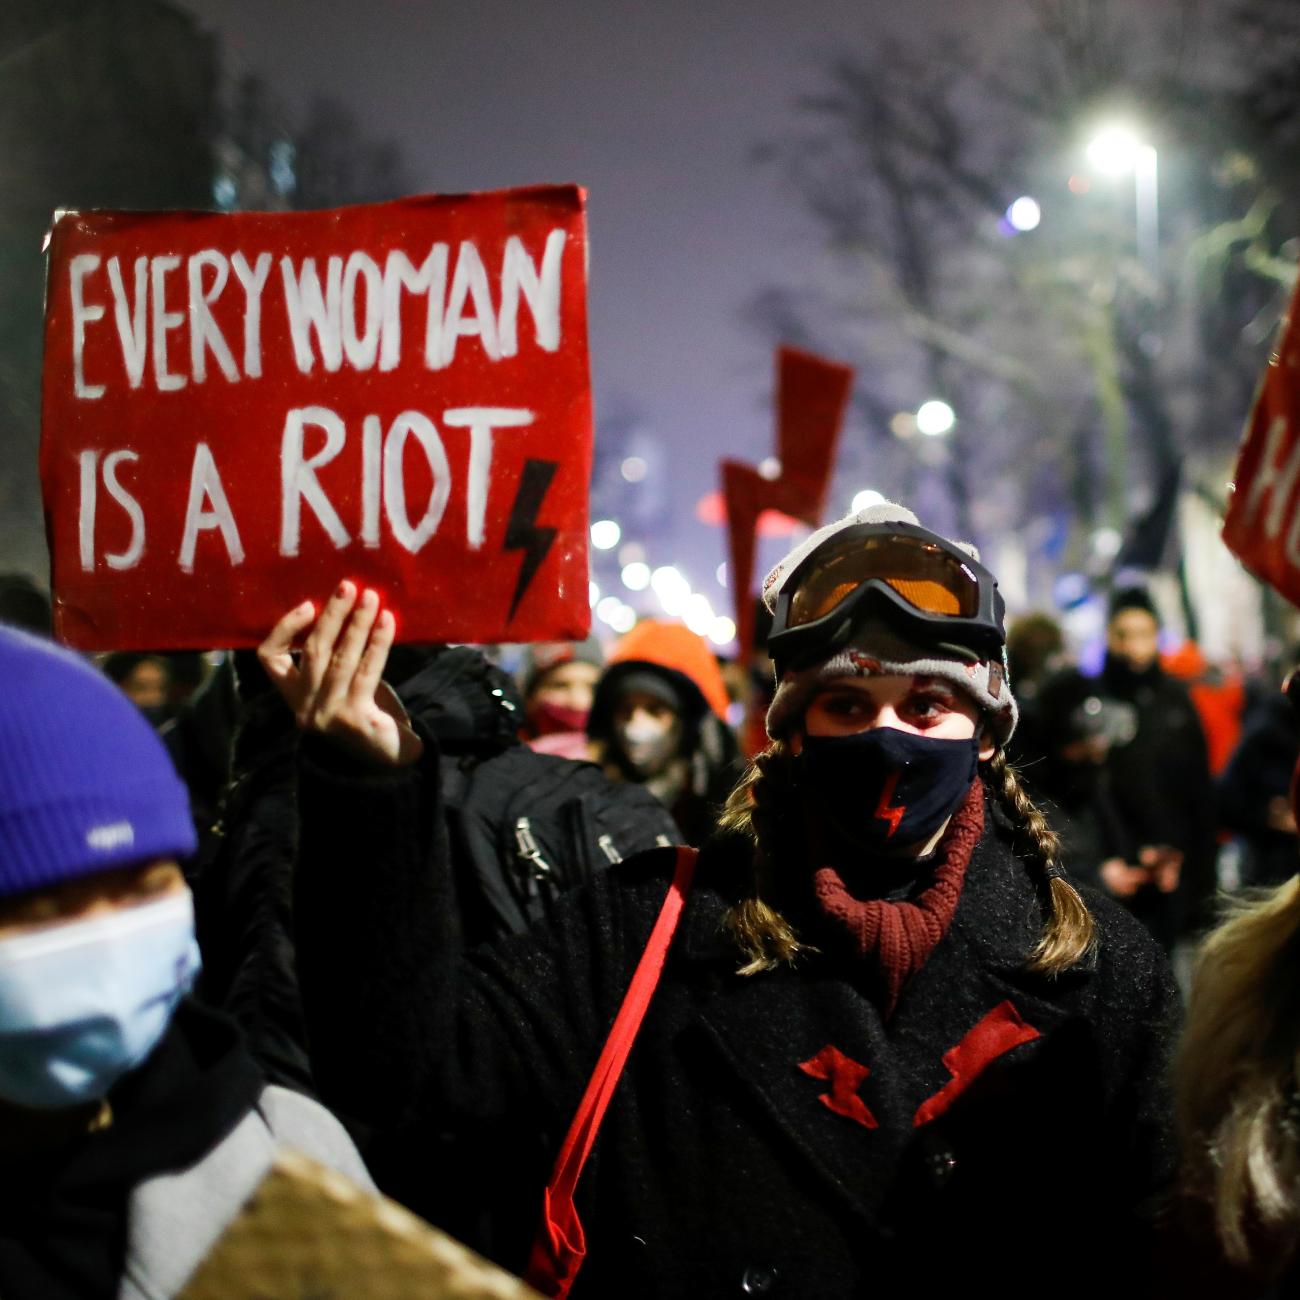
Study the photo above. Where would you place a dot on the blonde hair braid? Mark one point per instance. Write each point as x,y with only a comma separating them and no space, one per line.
1070,932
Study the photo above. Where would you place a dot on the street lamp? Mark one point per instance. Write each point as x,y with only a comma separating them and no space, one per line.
1116,151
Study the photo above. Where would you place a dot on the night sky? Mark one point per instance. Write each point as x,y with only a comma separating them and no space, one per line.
657,109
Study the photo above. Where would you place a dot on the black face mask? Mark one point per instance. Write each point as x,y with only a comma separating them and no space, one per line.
885,789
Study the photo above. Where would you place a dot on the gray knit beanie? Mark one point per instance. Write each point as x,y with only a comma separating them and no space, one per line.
878,650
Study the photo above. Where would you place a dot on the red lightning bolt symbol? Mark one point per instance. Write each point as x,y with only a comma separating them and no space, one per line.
812,395
887,814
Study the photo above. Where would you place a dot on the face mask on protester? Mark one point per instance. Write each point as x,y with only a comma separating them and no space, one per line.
84,1002
648,744
884,788
549,719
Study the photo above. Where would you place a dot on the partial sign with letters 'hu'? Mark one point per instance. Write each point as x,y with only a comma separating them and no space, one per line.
1262,524
241,409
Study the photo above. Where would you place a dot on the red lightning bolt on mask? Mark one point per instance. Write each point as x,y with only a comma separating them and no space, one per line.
883,811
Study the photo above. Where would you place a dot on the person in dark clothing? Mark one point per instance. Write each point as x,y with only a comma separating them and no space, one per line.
25,605
144,679
891,1045
557,683
658,720
1081,727
576,822
1035,654
1254,793
1160,780
133,1122
198,737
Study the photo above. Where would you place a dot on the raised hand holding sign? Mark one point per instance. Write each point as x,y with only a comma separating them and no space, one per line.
334,686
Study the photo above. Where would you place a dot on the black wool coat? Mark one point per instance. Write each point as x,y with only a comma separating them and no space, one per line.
771,1134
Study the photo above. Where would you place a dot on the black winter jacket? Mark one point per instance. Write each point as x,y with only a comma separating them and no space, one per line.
1161,785
771,1136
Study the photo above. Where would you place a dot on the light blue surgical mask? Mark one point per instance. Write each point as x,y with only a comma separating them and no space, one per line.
84,1002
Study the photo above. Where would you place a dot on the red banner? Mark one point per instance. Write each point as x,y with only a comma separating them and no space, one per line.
812,395
1262,524
239,410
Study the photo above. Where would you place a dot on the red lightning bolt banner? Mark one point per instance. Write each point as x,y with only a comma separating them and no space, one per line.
241,409
811,397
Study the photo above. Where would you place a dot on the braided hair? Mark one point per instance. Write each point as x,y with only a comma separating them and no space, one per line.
760,808
1069,933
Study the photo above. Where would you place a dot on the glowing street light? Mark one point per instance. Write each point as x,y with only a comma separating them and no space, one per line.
935,418
1116,151
866,498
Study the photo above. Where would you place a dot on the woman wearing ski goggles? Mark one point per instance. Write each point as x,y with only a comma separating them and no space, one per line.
890,1050
912,576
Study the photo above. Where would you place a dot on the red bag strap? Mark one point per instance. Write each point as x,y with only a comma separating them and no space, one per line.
561,1246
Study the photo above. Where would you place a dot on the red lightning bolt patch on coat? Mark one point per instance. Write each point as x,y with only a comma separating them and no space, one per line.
845,1076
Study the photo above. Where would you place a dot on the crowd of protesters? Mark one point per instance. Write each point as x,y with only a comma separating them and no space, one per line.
918,1024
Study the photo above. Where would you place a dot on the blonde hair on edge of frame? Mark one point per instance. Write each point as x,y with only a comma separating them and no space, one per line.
1235,1078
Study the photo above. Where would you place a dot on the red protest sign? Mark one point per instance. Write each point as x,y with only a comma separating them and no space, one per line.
812,395
241,409
1262,524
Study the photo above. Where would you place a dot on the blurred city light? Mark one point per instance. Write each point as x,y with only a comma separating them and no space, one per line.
636,576
1115,150
769,467
1025,214
623,619
667,578
865,499
607,607
723,631
934,418
721,574
672,589
1106,543
631,552
633,469
698,614
605,534
903,425
1079,184
1069,590
593,593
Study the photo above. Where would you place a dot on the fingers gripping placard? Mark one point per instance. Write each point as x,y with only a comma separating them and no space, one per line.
240,408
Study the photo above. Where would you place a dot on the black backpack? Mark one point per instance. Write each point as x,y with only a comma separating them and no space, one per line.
526,827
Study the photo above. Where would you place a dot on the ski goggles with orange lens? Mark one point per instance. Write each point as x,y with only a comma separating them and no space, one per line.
923,584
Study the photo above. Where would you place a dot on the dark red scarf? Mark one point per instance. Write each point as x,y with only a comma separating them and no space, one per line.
901,935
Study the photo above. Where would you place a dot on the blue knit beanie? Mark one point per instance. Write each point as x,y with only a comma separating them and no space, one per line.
85,784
